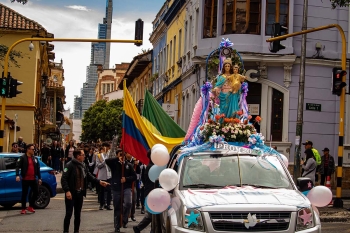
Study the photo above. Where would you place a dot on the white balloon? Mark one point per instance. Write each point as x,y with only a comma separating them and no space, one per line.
168,179
160,156
158,200
320,196
156,146
285,160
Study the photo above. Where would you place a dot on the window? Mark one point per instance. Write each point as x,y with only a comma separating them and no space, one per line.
10,163
277,115
276,12
241,17
190,38
210,18
180,39
108,88
185,42
174,50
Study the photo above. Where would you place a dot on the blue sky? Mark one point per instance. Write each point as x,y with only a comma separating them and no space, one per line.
80,19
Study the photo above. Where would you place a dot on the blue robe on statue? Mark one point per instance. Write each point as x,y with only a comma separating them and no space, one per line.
228,100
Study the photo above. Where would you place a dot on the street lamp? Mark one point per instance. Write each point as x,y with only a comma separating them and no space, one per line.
31,46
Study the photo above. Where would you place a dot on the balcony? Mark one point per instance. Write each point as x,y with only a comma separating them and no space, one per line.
139,105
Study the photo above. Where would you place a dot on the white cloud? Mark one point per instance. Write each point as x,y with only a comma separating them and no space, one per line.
79,8
82,24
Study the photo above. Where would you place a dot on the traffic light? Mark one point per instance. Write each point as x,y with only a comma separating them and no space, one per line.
13,87
139,31
337,83
277,30
4,85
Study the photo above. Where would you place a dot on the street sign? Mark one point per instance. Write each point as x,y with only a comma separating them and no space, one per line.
313,107
169,108
65,129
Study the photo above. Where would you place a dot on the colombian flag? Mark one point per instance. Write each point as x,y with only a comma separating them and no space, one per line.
138,137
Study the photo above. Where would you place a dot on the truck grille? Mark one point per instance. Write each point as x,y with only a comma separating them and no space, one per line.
239,221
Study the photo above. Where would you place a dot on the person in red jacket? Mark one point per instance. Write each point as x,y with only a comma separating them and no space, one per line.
30,170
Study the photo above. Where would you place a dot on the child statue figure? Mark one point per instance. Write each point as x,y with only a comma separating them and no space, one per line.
228,89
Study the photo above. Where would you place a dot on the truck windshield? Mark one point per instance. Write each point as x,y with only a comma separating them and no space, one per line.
206,171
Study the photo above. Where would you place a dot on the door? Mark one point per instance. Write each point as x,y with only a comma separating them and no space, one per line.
2,181
13,188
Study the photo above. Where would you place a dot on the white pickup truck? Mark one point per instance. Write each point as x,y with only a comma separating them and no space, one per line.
236,189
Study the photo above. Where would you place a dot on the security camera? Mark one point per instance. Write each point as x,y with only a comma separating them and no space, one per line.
31,46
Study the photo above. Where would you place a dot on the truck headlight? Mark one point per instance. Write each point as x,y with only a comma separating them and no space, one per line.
192,219
305,219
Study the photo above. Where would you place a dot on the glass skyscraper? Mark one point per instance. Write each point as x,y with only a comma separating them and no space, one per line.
100,55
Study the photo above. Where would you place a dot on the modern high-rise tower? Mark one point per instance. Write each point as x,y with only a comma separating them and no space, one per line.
100,55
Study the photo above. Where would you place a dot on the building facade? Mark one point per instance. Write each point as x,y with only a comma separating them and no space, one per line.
274,95
137,77
109,79
32,68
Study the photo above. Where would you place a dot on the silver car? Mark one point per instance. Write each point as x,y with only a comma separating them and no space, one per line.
236,190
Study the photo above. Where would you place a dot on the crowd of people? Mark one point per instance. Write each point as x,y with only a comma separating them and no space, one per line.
120,180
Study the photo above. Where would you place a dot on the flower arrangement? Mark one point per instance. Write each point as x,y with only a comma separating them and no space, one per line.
229,129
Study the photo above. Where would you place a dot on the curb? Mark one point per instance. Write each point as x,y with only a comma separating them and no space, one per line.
59,190
333,219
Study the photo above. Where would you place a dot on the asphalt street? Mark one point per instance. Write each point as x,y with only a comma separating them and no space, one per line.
51,218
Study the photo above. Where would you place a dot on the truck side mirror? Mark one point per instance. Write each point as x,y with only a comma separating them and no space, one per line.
304,184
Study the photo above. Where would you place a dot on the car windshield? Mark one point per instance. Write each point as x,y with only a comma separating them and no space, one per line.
213,171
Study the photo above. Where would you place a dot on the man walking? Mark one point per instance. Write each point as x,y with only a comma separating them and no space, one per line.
123,175
21,145
30,169
327,166
74,182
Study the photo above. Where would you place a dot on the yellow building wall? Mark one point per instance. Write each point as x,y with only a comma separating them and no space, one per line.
173,31
24,103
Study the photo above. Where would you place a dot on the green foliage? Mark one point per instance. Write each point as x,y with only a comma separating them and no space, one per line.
13,55
340,3
101,120
20,1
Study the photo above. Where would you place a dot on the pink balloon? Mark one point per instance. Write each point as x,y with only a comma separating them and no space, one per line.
158,200
320,196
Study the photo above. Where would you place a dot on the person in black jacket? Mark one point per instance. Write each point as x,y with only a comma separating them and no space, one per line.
30,169
74,182
149,186
122,179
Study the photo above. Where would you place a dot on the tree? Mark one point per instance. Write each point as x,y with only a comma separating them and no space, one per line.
101,121
13,55
340,3
20,1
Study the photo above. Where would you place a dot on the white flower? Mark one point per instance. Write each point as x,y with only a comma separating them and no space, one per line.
248,131
236,131
240,132
217,127
244,132
248,134
234,136
214,133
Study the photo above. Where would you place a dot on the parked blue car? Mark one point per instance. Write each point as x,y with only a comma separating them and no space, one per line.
11,191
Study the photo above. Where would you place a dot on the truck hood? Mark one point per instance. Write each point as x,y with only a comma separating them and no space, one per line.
244,195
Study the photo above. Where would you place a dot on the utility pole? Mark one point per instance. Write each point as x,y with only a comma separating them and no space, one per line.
299,125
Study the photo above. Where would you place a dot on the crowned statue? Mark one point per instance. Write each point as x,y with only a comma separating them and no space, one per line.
228,89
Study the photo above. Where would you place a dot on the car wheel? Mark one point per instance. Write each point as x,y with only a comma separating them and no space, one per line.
8,206
43,199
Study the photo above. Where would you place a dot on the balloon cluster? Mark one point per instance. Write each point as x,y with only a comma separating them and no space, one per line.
158,200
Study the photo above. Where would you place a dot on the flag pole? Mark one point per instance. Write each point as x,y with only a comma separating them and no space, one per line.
123,153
